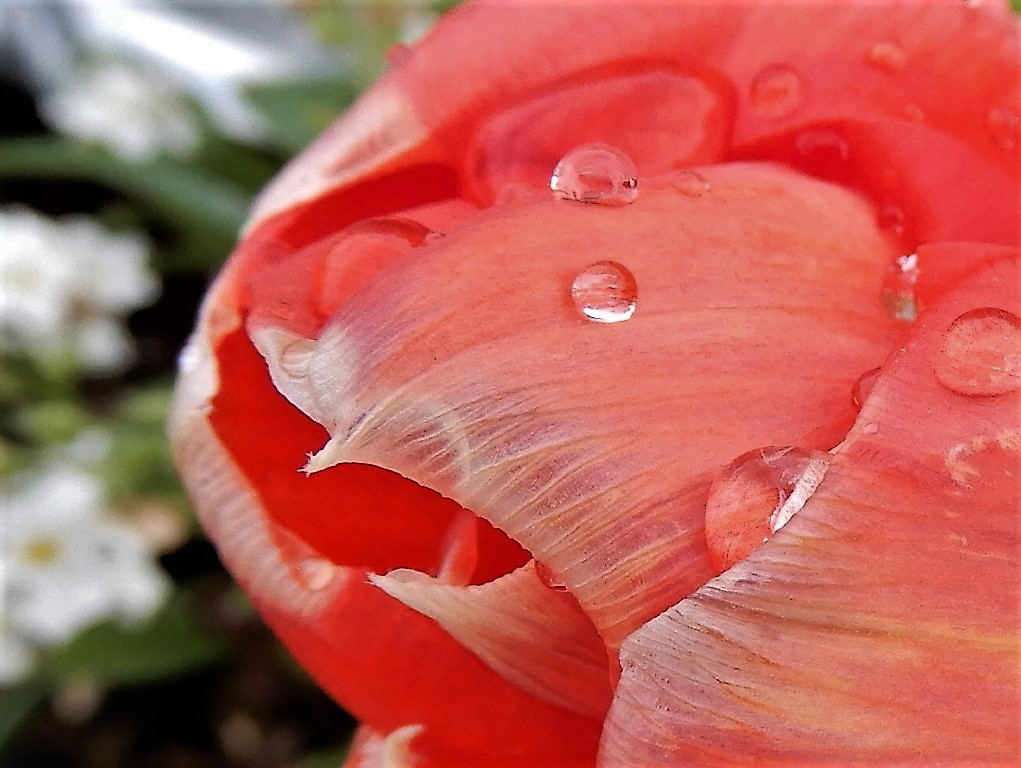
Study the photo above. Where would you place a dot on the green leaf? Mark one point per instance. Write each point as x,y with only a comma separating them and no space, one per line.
297,112
16,704
182,195
171,642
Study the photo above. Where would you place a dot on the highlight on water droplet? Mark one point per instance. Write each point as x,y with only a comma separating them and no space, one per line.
315,573
899,287
776,91
1002,124
690,183
887,56
862,387
596,173
980,353
605,292
755,496
545,575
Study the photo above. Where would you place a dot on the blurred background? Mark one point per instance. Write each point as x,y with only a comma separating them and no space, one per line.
133,135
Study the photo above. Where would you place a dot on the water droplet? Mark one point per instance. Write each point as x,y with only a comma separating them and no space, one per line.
887,56
980,354
862,387
315,573
890,218
776,91
690,183
296,356
547,578
822,152
605,292
914,113
757,495
596,173
1002,124
899,287
414,232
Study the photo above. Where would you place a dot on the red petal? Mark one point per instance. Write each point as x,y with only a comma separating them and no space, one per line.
592,425
881,623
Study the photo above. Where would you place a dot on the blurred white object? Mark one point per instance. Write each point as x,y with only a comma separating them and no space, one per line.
67,563
135,112
66,285
210,50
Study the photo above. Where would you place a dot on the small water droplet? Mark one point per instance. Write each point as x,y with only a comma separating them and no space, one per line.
914,113
315,573
862,387
757,495
887,56
776,91
1002,124
690,183
296,356
899,287
547,578
596,173
980,354
890,218
414,232
826,151
605,292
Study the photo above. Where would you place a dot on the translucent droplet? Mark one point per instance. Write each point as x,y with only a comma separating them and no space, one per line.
690,183
887,56
757,495
296,356
899,287
1002,125
862,387
547,578
776,91
823,153
414,232
980,354
605,292
315,573
596,173
914,113
890,218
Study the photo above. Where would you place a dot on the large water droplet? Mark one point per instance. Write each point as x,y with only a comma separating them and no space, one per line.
757,495
547,578
605,292
690,183
861,388
887,56
899,287
414,232
776,91
1002,125
596,173
315,573
980,354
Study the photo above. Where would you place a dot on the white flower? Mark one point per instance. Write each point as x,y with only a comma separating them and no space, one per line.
67,562
65,284
17,657
135,112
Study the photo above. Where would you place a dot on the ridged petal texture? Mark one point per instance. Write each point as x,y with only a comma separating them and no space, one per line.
881,624
477,513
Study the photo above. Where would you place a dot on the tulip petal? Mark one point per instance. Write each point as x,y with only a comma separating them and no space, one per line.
370,749
531,635
881,623
593,424
409,670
